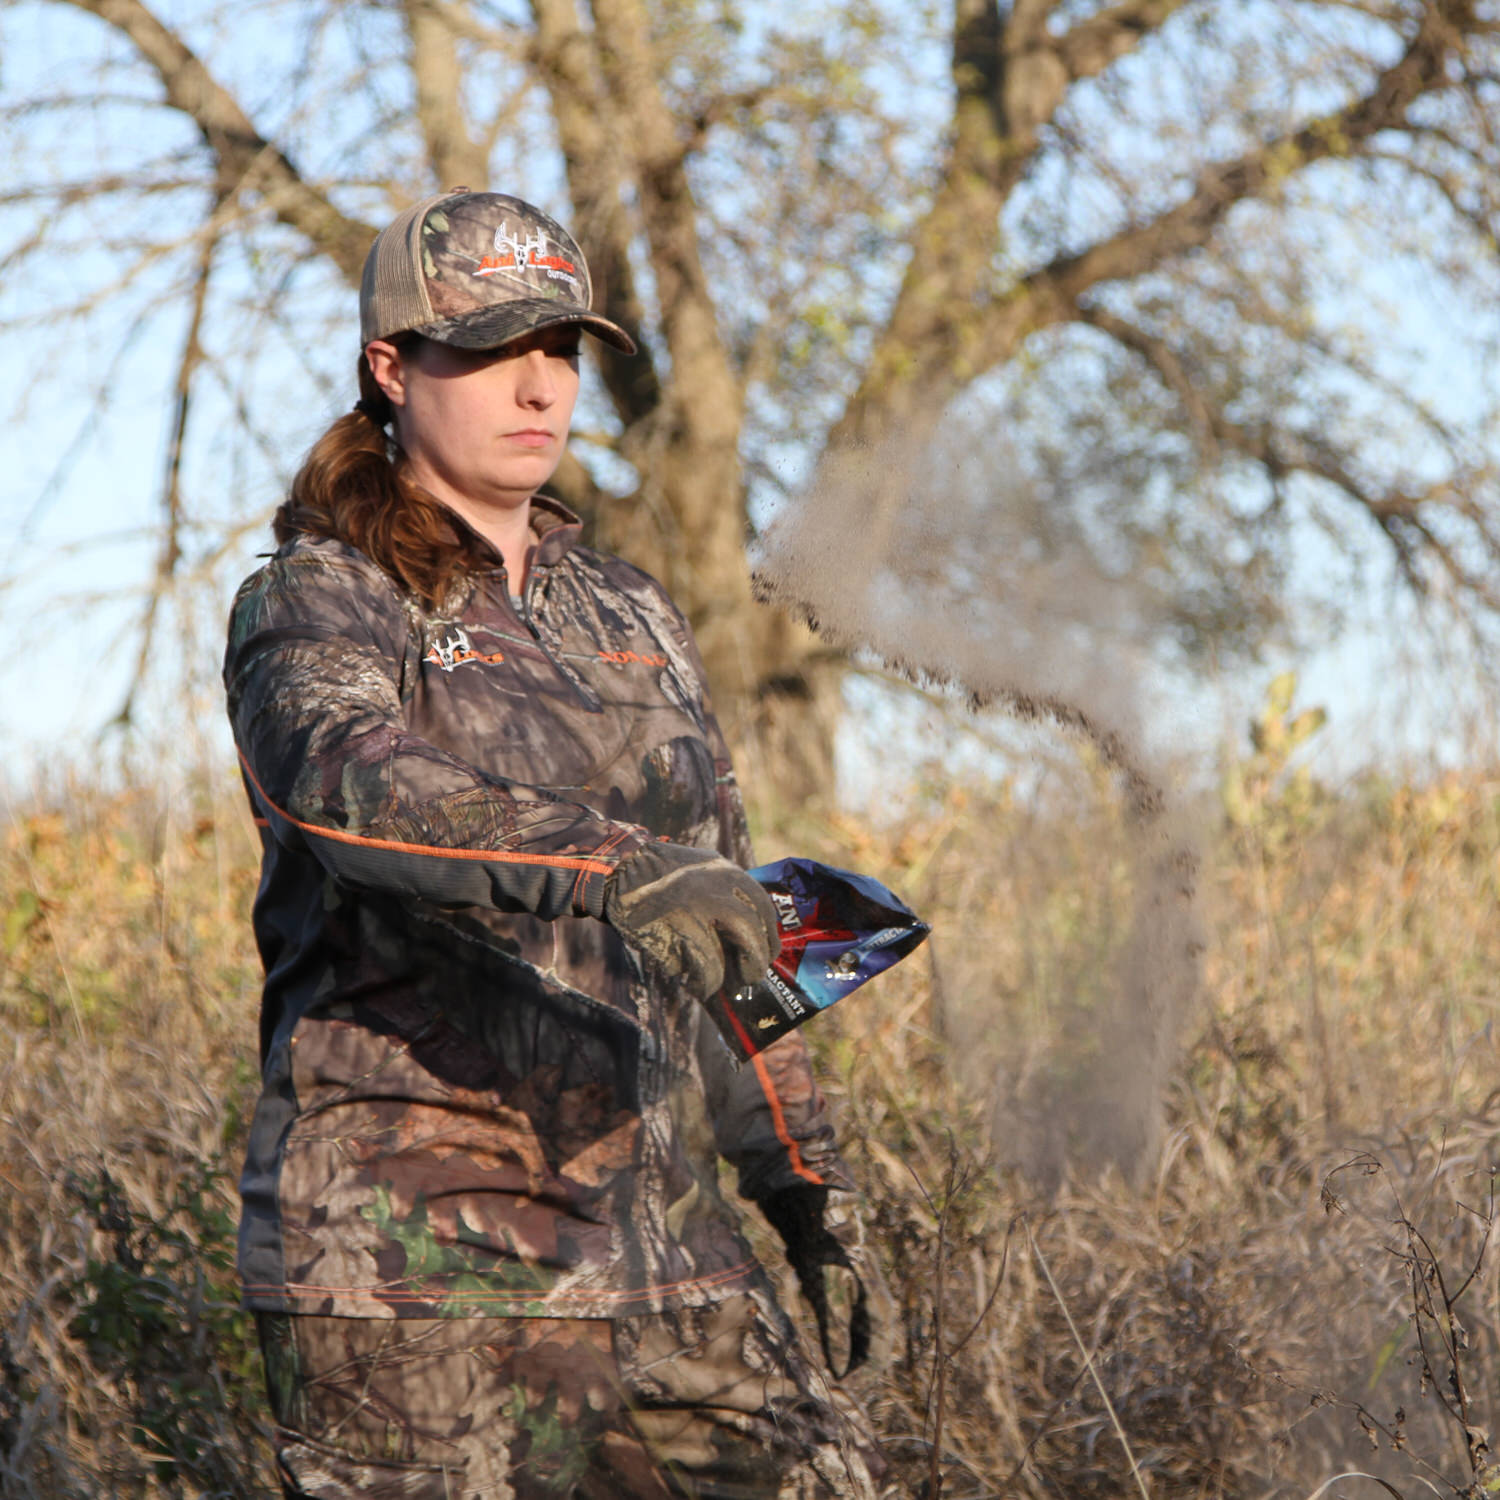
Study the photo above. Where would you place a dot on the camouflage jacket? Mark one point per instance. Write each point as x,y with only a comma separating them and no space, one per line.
475,1101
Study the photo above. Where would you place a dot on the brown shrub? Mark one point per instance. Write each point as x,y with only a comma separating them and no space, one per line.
1253,1334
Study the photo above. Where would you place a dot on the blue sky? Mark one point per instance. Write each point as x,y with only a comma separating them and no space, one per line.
81,531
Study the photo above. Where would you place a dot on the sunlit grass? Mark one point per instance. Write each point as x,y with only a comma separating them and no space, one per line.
1253,1334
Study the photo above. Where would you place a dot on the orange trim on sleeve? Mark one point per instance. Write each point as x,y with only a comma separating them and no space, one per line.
395,1293
607,847
778,1120
502,856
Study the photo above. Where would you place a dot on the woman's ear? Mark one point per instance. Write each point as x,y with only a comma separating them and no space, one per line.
385,365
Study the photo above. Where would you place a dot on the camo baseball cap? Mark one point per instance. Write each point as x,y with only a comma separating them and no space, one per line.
477,270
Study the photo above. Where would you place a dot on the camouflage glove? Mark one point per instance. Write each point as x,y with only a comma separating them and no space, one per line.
698,917
796,1214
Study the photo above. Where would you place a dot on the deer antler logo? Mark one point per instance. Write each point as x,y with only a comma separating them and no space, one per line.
525,251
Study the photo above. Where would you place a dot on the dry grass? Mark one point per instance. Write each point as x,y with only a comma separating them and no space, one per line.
1248,1324
127,985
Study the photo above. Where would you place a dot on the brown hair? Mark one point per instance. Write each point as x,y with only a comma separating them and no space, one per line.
352,487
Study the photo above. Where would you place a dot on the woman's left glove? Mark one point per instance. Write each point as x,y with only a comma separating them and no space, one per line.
699,918
796,1214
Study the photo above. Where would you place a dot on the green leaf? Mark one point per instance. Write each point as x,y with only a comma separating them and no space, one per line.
1387,1352
1280,694
1306,724
20,919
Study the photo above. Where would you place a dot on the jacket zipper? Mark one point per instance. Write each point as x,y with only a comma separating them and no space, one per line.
586,694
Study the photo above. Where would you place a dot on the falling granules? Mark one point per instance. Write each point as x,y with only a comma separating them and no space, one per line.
937,572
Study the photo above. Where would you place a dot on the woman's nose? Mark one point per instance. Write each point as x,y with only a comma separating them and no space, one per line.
535,383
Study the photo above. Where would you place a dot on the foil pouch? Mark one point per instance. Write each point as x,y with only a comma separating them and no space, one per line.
838,929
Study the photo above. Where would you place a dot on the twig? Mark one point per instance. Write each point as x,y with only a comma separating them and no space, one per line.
45,913
937,1389
1042,1428
1356,1474
1088,1360
939,1364
954,1183
1434,1304
984,1312
170,553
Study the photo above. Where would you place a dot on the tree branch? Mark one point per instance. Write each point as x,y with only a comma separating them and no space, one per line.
1421,69
669,217
684,442
465,26
1008,81
437,73
1093,44
1397,513
1039,67
169,553
952,246
949,326
244,159
1209,425
64,194
725,107
1444,185
588,131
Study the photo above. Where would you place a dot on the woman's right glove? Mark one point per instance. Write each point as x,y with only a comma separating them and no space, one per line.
702,920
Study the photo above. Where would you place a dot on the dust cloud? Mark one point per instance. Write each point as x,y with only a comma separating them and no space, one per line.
951,572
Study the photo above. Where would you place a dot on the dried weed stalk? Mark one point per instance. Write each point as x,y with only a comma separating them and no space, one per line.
1201,1302
1445,1355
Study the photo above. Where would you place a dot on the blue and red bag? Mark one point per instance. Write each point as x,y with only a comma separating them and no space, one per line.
838,929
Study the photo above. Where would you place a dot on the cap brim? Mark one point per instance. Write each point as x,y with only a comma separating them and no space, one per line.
493,327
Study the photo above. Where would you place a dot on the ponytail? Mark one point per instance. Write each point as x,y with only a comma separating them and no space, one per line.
352,487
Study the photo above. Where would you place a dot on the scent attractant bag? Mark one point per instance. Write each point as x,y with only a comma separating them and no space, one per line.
838,929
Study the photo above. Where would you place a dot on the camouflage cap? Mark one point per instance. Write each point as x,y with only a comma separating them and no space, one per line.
477,270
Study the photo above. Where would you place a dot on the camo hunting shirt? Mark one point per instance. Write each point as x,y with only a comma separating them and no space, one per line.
475,1101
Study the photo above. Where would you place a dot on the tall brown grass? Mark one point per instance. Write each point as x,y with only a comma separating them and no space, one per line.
1253,1317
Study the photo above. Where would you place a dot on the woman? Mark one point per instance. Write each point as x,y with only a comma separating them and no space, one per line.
503,858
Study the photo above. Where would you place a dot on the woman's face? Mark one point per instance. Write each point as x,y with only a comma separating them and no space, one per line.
483,426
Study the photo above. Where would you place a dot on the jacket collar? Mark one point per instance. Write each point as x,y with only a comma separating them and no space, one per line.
554,528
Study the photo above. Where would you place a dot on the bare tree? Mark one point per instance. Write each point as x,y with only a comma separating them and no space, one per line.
1121,228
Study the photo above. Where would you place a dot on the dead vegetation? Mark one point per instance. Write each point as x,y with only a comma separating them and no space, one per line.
1296,1290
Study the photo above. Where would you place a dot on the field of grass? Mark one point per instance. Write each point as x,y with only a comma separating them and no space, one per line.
1227,1241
